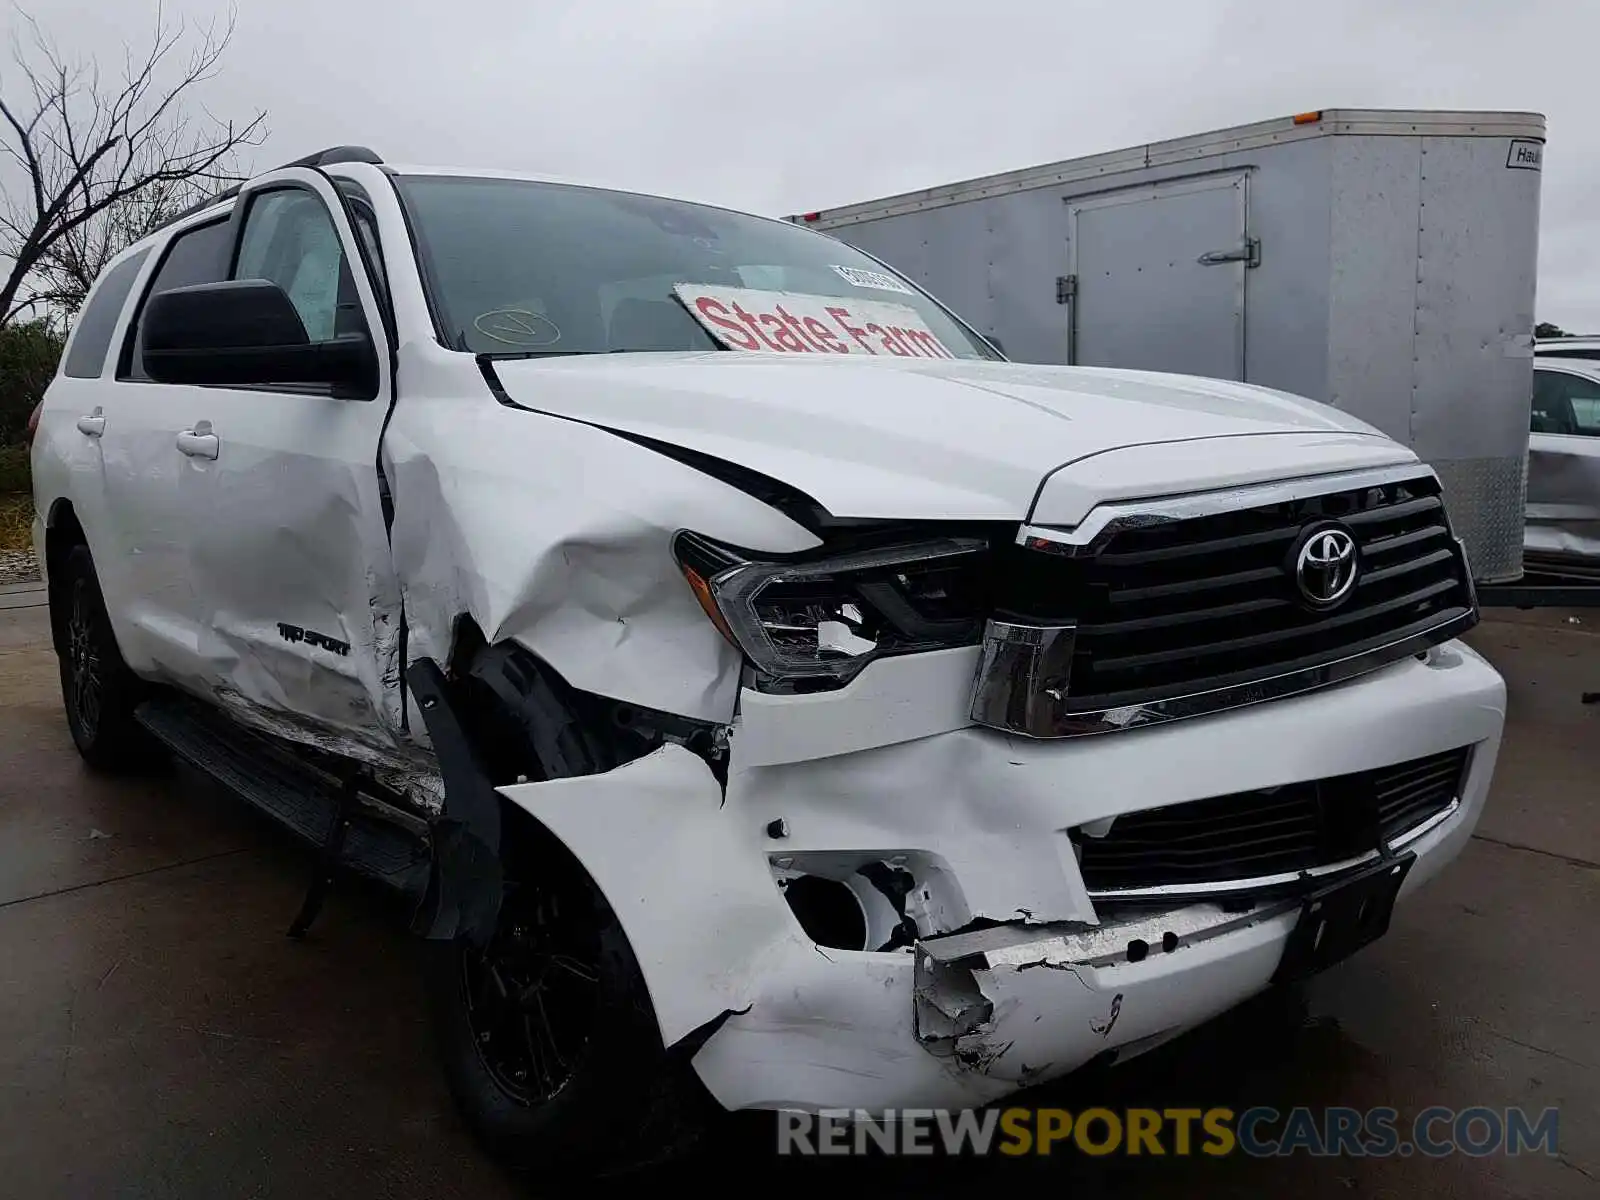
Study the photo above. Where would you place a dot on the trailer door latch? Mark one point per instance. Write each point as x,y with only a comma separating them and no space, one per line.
1249,253
1066,288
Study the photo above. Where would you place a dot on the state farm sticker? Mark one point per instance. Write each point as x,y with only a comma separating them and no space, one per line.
799,323
871,279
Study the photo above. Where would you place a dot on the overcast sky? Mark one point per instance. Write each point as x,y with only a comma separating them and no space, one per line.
781,106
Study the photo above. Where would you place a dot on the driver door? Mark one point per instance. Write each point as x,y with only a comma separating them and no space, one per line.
285,533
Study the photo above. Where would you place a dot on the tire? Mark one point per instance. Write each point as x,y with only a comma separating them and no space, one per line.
597,1092
97,688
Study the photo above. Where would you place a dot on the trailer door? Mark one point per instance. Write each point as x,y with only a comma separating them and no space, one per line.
1157,277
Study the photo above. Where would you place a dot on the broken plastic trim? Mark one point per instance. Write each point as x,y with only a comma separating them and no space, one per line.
682,1051
896,883
813,623
956,1004
560,731
947,1005
464,888
1023,676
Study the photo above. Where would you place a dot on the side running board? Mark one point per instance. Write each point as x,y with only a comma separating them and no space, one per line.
346,826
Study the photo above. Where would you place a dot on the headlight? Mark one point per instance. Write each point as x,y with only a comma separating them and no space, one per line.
812,623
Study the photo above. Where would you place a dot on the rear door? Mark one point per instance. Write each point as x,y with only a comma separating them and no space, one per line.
75,420
1157,277
1563,514
157,617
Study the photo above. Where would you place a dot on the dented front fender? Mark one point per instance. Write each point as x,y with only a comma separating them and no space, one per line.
557,535
690,889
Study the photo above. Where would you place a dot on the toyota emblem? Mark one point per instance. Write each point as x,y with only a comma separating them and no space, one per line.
1325,567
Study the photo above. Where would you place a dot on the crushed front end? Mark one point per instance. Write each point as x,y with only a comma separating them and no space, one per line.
946,860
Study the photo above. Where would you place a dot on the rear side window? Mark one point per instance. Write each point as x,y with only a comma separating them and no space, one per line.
1565,403
98,320
198,256
1586,413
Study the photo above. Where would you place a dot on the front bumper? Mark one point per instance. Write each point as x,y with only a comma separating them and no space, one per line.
979,819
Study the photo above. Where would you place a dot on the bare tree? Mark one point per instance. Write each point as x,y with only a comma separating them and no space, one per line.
68,267
97,165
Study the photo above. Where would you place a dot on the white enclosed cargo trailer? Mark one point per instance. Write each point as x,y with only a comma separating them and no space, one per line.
1382,262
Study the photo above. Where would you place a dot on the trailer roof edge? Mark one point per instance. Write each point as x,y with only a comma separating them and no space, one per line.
1331,122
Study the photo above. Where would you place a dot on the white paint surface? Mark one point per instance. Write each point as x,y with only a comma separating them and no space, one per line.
933,439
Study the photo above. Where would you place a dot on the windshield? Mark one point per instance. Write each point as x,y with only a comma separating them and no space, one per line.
522,268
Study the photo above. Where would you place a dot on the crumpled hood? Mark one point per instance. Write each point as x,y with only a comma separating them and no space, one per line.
937,439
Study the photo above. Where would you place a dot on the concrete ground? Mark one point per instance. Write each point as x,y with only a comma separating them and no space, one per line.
159,1036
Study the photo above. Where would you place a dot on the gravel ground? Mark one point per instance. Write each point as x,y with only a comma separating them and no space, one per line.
17,566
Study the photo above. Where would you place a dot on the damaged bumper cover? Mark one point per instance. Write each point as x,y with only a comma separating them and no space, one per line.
1006,1002
1016,974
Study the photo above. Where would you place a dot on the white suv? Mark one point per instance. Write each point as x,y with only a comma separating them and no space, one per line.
745,722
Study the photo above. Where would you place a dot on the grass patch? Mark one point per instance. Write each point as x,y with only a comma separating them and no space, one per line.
14,473
16,499
16,521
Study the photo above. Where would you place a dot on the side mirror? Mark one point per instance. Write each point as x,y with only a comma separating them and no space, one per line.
246,332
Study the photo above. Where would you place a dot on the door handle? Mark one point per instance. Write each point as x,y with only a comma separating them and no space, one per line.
199,442
94,424
1249,253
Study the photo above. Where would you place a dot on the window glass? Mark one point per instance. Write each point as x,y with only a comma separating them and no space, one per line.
1586,414
1565,403
98,320
543,268
197,256
366,227
1547,406
290,240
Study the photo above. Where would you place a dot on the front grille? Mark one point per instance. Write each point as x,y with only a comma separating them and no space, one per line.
1279,831
1183,607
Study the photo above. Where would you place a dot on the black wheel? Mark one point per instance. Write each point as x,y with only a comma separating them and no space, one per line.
97,688
548,1039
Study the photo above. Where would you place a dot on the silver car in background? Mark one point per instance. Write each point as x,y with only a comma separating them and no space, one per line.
1562,534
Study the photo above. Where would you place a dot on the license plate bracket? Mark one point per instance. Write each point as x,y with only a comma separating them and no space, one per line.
1340,918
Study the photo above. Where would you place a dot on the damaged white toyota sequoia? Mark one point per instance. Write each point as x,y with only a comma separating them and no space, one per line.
769,696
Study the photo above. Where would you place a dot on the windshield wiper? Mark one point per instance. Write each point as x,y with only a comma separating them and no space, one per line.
501,355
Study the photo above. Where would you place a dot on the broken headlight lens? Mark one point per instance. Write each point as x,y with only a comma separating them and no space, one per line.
809,624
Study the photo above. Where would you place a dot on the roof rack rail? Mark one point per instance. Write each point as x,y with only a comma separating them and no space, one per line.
322,158
335,154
